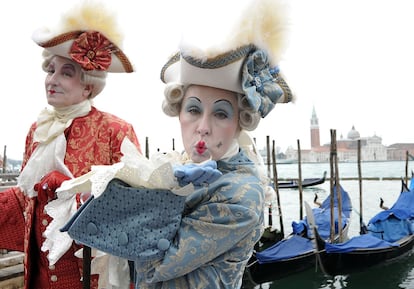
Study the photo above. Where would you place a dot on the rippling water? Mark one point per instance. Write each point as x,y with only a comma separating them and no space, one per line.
398,274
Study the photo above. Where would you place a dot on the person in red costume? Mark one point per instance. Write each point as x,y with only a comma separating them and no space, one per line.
67,139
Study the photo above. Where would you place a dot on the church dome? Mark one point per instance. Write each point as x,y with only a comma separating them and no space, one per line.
353,134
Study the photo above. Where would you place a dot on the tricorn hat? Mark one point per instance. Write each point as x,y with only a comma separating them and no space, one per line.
88,35
246,63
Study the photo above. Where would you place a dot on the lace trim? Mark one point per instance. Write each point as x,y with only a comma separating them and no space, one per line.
134,169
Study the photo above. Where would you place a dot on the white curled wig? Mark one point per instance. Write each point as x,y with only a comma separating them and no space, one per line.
174,94
248,118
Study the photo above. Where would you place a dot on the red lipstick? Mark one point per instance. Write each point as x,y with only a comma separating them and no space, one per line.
201,147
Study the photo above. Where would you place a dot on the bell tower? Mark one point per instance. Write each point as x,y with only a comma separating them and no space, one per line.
314,130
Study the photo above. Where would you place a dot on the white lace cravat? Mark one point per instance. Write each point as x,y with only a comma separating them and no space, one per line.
51,123
50,153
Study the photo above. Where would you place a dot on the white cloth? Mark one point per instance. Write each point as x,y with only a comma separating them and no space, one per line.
51,123
46,158
134,169
57,242
50,152
113,271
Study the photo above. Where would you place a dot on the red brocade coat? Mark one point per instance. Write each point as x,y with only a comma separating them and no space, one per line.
94,139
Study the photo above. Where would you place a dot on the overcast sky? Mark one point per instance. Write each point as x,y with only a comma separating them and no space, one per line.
352,60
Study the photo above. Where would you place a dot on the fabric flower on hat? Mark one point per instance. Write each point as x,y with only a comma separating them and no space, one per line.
92,51
259,83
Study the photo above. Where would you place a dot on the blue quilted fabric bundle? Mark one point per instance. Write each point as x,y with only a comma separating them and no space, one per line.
134,223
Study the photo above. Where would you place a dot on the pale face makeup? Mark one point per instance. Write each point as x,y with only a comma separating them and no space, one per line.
209,120
63,83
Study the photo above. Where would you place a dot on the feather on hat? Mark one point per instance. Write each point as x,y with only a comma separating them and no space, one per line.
87,34
262,23
245,63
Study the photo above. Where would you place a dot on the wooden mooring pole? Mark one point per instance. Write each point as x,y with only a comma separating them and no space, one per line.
4,159
276,184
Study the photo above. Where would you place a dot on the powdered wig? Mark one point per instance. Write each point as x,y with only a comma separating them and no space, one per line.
174,94
91,77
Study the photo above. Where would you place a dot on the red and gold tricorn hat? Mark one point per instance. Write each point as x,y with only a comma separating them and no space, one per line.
87,34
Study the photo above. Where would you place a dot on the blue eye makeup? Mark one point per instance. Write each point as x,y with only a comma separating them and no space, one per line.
223,109
193,105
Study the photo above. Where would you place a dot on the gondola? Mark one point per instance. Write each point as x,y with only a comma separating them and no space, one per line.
296,253
294,184
387,238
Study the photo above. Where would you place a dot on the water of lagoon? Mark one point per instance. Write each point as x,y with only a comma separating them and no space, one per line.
398,274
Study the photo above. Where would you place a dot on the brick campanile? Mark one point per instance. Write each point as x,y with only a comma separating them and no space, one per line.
314,130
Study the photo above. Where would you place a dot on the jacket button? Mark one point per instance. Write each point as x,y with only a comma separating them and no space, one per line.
53,278
163,244
45,222
12,221
92,228
123,239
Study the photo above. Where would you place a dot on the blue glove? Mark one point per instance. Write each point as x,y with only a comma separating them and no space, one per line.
198,174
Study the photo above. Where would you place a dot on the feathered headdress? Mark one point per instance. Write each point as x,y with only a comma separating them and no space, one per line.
245,63
87,34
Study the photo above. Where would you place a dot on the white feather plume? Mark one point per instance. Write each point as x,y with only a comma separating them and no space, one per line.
263,23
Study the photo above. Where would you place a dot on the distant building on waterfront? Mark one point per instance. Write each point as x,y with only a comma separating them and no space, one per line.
372,148
8,165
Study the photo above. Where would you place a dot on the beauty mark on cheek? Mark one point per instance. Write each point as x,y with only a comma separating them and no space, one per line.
219,144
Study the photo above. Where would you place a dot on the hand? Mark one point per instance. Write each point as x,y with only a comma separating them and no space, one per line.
84,197
198,174
48,184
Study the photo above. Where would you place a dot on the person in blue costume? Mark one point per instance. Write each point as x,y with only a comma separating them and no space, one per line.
203,238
